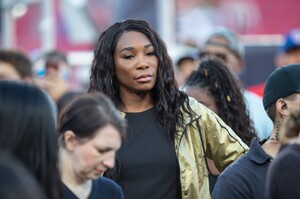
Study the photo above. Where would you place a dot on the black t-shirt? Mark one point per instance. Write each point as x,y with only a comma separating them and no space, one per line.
147,160
103,188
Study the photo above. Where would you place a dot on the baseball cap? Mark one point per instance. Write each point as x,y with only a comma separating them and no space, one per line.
235,43
291,40
282,82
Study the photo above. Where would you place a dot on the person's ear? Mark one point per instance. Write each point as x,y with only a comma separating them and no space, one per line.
70,140
282,107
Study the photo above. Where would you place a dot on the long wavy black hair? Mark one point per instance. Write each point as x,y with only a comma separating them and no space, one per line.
166,95
222,85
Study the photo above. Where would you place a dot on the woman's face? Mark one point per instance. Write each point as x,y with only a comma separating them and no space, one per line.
135,63
92,157
203,96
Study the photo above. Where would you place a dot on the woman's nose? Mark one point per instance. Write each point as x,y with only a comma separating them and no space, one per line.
142,63
109,161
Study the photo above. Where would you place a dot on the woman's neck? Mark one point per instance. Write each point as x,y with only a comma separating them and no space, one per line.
79,186
136,103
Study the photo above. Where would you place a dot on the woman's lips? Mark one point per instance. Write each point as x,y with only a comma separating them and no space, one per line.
144,78
99,172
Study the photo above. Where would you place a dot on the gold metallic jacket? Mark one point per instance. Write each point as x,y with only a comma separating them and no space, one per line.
220,143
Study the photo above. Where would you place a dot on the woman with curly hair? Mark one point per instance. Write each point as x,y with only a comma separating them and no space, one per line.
213,85
168,133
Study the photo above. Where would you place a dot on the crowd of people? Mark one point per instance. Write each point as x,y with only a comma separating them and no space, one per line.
137,133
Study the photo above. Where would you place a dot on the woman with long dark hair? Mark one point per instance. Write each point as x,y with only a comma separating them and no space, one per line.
168,133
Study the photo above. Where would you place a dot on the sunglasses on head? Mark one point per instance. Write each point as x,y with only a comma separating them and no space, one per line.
221,56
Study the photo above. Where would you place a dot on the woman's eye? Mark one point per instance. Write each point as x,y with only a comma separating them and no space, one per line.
101,151
128,57
104,150
150,54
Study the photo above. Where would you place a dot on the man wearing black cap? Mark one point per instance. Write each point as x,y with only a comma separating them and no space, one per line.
284,99
246,177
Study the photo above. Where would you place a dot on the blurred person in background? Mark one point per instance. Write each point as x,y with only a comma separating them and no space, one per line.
288,53
15,65
169,133
16,182
290,50
213,85
53,74
184,66
90,133
227,46
246,177
284,172
28,131
198,18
